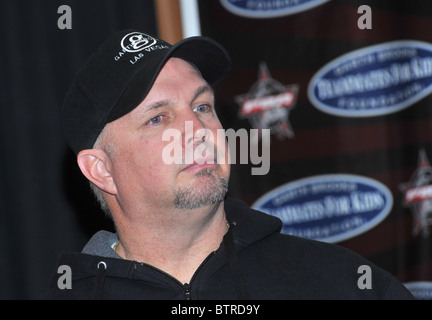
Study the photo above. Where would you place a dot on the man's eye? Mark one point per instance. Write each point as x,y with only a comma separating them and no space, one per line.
202,108
155,120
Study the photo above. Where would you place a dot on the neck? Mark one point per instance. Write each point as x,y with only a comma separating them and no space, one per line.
175,242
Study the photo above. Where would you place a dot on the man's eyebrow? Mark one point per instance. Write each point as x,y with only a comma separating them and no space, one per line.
201,90
164,103
159,104
154,105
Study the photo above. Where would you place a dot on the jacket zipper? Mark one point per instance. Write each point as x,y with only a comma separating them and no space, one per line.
187,293
185,286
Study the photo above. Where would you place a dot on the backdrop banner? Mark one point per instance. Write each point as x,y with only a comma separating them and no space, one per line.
345,88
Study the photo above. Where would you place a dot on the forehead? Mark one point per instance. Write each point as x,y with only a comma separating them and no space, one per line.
176,68
177,79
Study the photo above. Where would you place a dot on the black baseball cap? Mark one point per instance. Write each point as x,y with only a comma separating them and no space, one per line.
119,75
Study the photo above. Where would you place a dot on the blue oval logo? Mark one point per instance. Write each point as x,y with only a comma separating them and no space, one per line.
328,208
268,8
421,290
374,81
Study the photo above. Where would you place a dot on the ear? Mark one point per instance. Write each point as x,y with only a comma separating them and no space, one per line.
96,167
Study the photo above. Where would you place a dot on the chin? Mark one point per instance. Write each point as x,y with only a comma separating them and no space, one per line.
207,190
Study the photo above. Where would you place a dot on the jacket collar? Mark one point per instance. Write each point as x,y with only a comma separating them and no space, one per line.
250,225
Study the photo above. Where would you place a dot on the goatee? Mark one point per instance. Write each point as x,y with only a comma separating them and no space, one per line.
211,192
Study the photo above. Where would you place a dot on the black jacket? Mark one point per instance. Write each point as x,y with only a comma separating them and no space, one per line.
254,261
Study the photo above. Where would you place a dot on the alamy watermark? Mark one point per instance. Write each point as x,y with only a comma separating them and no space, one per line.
65,280
365,20
365,280
203,147
65,20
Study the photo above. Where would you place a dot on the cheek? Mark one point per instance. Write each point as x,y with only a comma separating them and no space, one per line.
151,163
139,160
219,141
222,151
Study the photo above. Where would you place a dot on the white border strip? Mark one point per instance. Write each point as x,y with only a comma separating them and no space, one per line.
190,18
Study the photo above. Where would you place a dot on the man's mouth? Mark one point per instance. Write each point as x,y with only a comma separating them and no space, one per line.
199,164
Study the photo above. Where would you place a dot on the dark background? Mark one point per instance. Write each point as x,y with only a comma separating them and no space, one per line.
46,207
45,204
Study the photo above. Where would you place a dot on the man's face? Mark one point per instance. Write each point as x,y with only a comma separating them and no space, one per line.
142,178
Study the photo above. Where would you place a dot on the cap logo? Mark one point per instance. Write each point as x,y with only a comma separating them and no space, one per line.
136,41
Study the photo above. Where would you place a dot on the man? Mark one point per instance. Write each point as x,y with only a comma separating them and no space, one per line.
177,237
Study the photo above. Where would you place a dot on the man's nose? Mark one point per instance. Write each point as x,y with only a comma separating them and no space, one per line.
194,130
